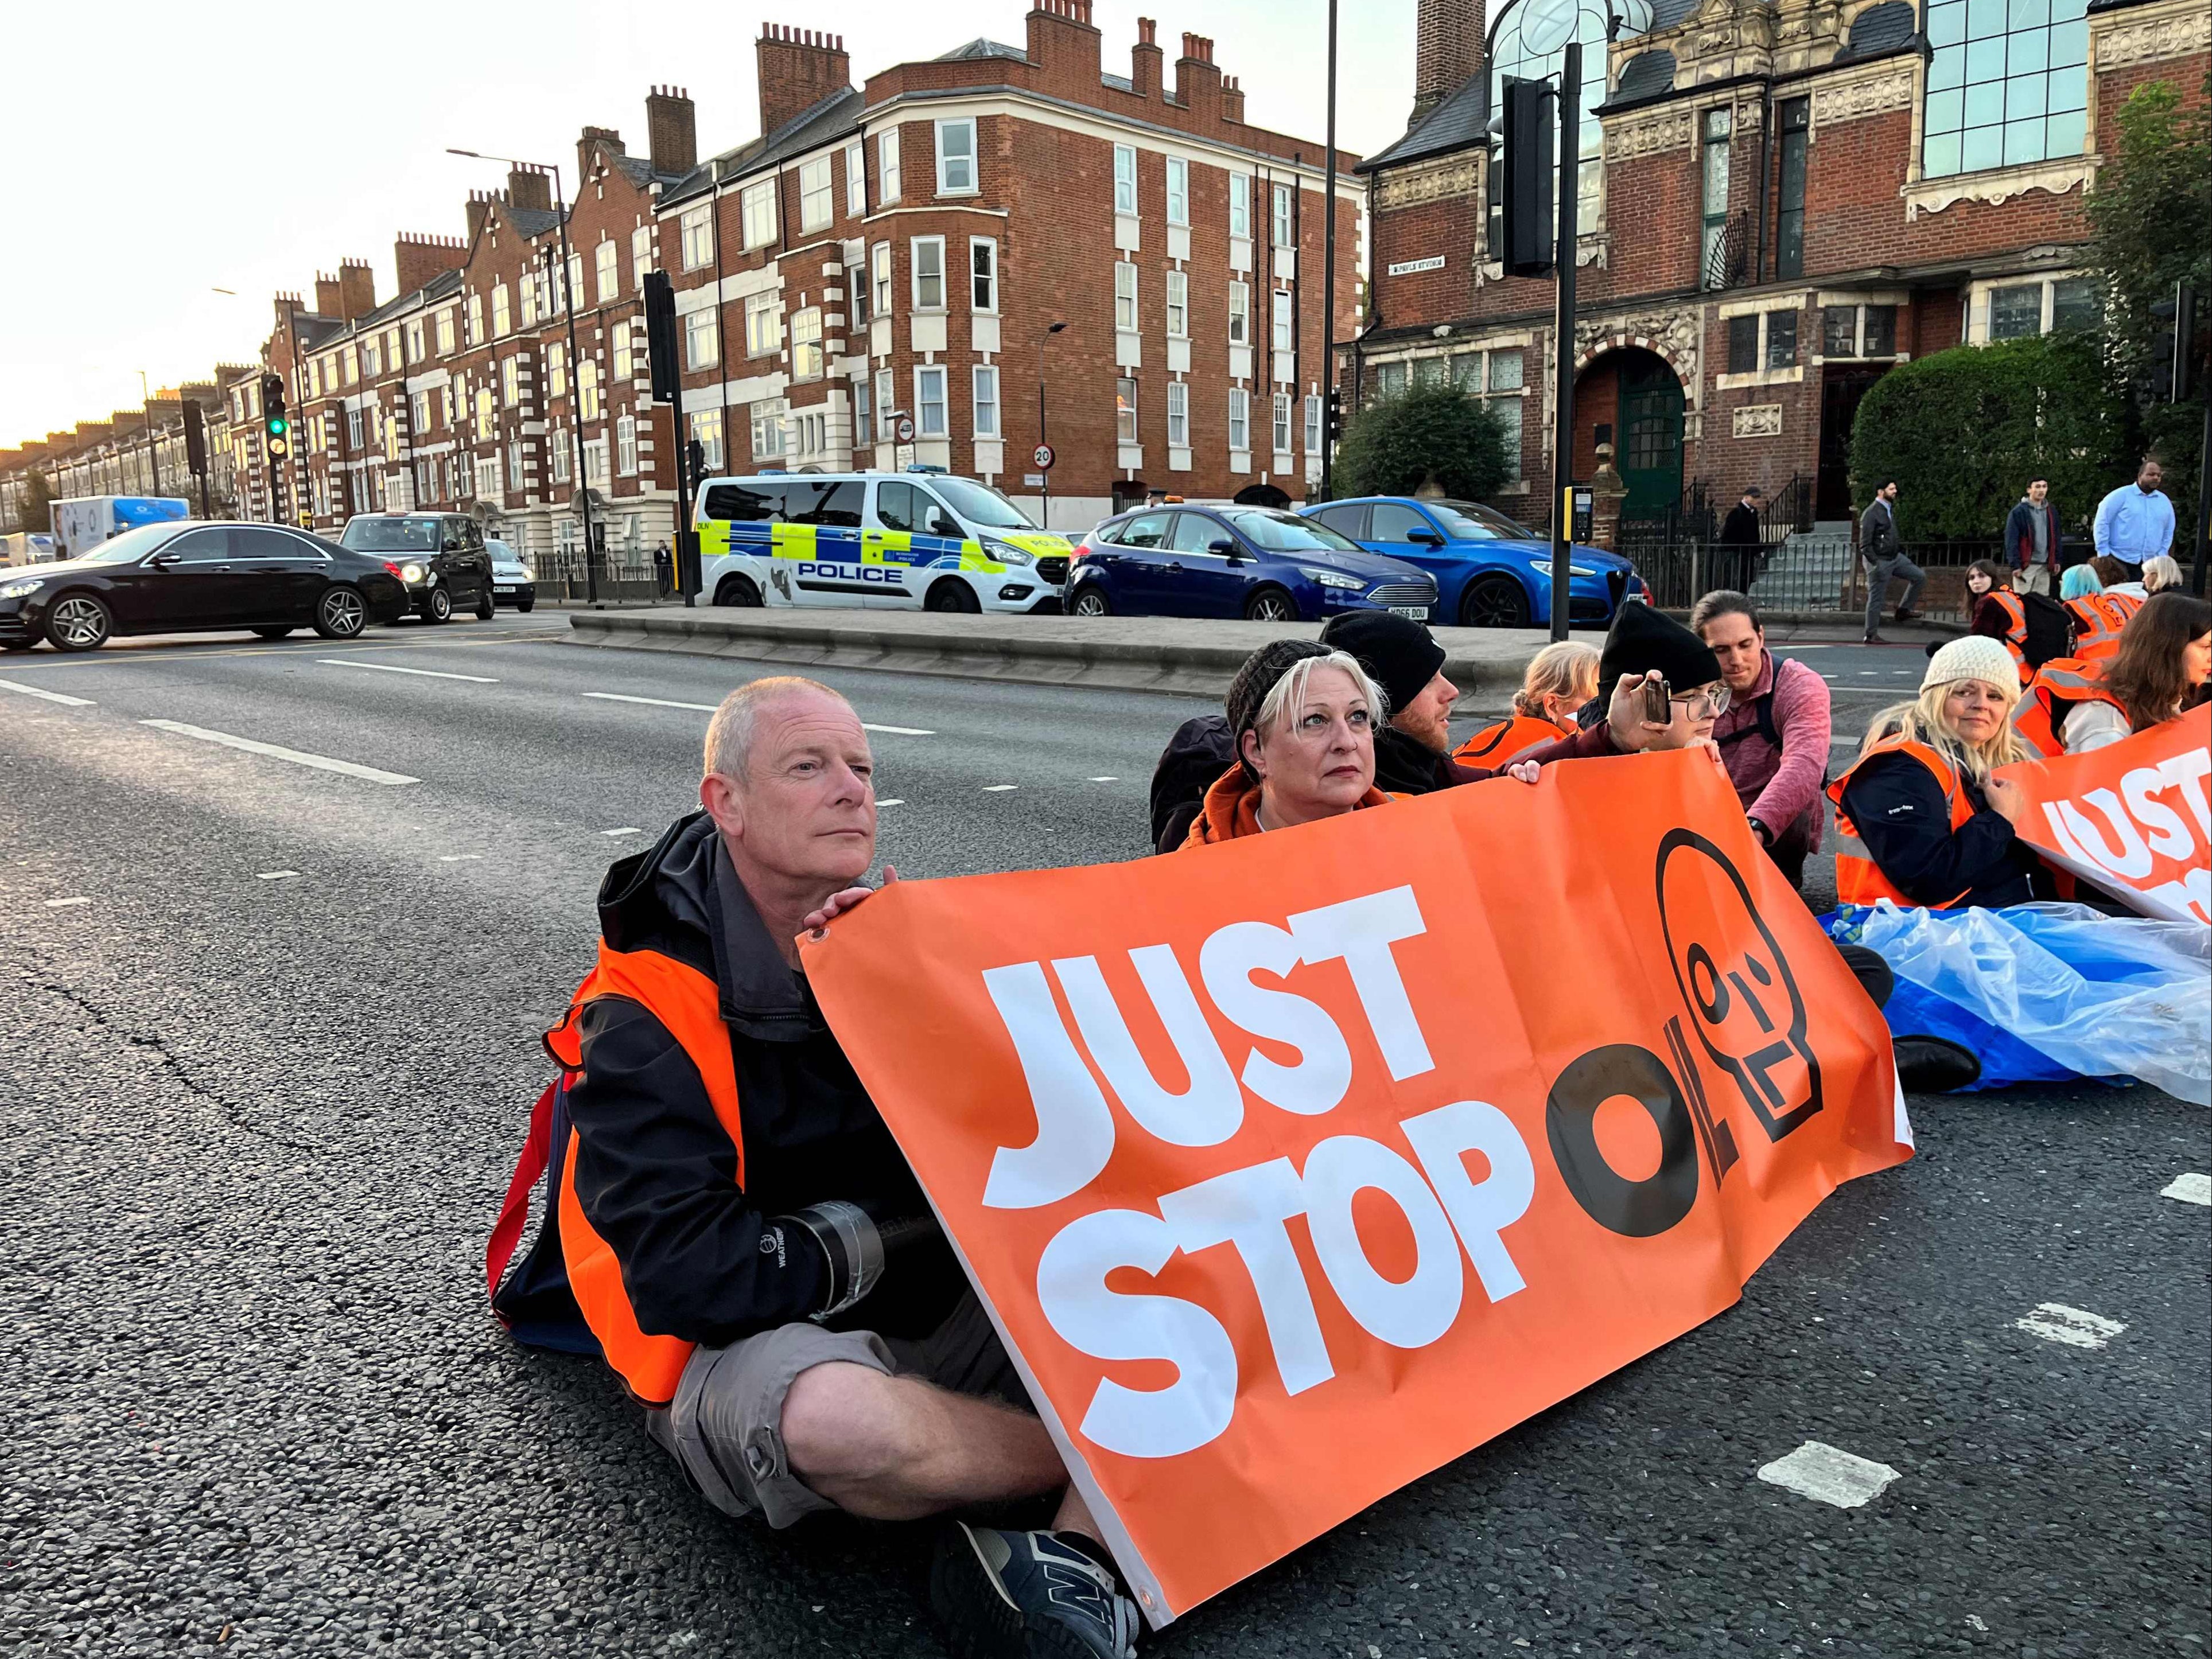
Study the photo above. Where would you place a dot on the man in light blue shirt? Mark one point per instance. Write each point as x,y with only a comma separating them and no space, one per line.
2136,521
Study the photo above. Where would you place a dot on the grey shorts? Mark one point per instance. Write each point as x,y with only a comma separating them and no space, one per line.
725,1427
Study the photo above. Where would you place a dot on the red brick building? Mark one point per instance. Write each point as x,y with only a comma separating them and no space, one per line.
906,248
1781,199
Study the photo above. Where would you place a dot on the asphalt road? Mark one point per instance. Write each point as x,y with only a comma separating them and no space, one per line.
275,1041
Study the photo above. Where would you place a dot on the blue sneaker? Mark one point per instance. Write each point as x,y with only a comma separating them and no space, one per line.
1027,1595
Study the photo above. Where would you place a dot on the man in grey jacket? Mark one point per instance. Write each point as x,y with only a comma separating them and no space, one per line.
1883,549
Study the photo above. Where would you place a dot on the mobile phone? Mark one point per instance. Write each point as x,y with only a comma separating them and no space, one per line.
1657,695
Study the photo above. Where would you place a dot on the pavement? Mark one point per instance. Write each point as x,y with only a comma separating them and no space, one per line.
275,1044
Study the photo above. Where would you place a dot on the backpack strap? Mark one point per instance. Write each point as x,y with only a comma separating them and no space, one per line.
514,1209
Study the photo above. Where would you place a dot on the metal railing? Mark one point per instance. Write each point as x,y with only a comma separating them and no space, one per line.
623,576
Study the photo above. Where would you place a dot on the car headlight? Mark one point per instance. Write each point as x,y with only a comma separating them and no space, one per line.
410,573
1334,578
1544,567
1007,552
21,590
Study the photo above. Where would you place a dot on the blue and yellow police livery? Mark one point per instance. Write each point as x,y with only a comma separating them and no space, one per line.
926,542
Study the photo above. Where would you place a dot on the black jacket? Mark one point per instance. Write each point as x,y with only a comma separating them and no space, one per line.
1741,528
1897,809
1200,751
655,1170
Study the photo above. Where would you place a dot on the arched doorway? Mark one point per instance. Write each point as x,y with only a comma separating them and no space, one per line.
1630,397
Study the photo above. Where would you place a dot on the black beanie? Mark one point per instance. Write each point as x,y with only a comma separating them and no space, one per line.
1249,689
1644,639
1398,654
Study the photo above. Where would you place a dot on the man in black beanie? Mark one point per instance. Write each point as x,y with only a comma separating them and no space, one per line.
1413,753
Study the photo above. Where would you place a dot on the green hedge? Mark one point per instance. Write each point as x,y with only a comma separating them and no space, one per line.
1964,431
1394,446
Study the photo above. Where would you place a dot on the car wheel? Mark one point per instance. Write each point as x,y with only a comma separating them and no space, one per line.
1271,605
79,621
273,633
487,604
735,590
527,605
340,613
951,595
1494,602
1091,600
438,605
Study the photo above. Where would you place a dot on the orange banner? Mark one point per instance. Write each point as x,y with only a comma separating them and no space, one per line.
1294,1168
2130,817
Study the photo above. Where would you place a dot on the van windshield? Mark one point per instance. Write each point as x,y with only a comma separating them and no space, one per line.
979,504
391,535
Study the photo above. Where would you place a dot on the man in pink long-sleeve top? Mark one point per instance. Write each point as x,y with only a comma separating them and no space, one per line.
1773,735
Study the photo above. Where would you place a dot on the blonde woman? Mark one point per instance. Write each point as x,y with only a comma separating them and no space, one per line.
2161,574
1919,819
1302,721
1561,678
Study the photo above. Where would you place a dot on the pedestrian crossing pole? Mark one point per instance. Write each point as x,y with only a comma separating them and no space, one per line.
1563,339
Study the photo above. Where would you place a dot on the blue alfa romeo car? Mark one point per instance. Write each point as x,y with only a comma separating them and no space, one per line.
1490,573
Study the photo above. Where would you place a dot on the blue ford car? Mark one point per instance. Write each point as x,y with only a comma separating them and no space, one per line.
1253,562
1490,573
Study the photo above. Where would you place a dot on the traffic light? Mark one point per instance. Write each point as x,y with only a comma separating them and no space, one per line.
275,420
196,459
660,335
1333,415
1528,172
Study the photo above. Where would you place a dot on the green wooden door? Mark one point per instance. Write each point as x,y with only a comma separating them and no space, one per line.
1650,433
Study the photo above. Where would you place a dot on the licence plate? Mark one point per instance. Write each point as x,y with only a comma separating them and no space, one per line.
502,587
1414,613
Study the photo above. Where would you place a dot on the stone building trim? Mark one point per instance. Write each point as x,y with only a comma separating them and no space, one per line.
1649,135
1999,186
1437,181
1856,94
2176,30
1756,420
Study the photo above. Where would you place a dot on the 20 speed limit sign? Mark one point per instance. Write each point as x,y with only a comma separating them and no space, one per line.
1042,457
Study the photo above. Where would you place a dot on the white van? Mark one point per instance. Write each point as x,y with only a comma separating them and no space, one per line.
892,539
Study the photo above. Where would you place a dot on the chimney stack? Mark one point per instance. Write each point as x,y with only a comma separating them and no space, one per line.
530,187
1198,78
1064,43
357,288
417,259
1145,60
799,68
594,140
1447,51
671,130
478,210
330,299
1232,100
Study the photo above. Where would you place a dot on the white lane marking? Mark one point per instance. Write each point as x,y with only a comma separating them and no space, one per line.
627,829
278,752
896,800
458,858
41,692
276,876
898,731
1828,677
65,904
2192,1188
2054,1322
1105,780
655,702
1828,1475
998,789
394,668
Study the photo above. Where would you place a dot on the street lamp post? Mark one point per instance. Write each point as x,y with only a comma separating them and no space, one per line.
575,364
1051,329
1329,270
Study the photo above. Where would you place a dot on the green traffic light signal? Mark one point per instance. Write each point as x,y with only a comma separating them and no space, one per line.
278,426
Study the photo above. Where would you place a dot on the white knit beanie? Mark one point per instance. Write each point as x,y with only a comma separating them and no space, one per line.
1973,656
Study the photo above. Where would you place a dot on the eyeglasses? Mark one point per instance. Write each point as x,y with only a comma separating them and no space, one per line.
1714,700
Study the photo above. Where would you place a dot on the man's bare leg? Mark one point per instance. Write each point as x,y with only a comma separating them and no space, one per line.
897,1448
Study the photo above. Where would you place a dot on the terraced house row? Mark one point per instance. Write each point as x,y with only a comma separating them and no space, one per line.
1780,200
902,248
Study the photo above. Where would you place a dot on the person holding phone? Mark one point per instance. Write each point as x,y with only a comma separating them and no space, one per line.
1666,693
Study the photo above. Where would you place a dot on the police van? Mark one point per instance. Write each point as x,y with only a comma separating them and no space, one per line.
895,540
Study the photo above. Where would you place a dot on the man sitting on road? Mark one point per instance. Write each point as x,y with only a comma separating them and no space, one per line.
1773,735
739,1229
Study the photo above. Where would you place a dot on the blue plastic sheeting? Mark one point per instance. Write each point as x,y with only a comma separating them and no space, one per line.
2045,993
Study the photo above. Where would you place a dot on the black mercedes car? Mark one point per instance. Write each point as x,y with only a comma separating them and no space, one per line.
442,556
196,577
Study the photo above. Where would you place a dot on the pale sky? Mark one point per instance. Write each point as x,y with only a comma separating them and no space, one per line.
142,180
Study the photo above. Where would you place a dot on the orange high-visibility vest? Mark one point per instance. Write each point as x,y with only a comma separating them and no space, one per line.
1500,743
2040,716
688,1003
1859,879
2015,639
2098,620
